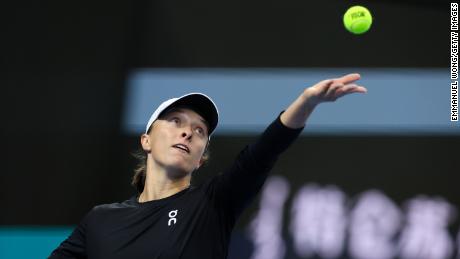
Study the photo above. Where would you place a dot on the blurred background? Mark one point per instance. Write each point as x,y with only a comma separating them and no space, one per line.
372,176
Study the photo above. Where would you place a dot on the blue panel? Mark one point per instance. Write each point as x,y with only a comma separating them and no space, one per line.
31,242
399,101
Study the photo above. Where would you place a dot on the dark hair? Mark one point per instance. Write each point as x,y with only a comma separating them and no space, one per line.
140,170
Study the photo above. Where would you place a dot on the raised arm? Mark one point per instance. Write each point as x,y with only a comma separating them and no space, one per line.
233,189
327,90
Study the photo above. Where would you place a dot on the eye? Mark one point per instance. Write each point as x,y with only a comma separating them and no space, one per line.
175,120
200,131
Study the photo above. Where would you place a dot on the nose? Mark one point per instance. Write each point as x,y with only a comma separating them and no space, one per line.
187,133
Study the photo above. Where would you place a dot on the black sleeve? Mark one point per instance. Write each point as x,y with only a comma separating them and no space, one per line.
238,185
75,245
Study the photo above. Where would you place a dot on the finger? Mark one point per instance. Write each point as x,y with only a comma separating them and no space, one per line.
325,83
350,78
331,92
323,86
360,89
351,88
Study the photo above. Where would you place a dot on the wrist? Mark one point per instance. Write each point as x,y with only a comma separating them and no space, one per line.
309,99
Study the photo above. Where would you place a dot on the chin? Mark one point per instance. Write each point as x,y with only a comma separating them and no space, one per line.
177,172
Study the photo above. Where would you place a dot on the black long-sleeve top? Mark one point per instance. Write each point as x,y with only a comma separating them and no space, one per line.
193,223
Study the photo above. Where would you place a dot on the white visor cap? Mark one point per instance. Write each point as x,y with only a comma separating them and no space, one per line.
198,102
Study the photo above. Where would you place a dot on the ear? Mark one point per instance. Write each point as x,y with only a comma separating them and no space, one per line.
202,160
200,163
145,142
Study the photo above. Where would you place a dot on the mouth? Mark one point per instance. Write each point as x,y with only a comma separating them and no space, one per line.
182,147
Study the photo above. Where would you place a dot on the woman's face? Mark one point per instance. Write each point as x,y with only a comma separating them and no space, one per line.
177,141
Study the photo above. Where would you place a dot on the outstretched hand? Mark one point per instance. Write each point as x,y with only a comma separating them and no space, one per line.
330,90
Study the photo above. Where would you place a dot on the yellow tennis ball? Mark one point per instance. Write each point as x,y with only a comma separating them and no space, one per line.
357,19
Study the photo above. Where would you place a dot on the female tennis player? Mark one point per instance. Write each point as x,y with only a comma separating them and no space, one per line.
169,218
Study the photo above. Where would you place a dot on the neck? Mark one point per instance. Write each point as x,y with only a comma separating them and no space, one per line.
160,184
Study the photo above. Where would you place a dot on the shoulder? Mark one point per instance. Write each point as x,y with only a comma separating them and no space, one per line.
130,203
